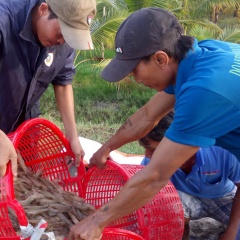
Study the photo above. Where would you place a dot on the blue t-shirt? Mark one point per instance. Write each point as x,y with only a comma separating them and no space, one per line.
145,161
212,176
207,91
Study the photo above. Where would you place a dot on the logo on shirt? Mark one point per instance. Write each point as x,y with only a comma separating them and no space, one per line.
211,172
48,61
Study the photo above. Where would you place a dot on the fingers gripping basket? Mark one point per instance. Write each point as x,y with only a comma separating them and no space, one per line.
162,218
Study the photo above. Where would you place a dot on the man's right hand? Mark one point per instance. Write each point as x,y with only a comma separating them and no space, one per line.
99,158
7,152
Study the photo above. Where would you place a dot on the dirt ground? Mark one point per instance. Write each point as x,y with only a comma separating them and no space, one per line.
205,229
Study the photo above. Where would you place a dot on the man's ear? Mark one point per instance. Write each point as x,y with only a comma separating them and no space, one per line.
161,58
43,9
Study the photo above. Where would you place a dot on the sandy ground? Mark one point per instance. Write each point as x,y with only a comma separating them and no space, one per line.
205,229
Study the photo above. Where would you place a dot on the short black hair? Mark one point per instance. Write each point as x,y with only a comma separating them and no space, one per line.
178,50
157,133
52,14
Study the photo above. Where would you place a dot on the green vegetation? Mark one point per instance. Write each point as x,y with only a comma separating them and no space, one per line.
102,107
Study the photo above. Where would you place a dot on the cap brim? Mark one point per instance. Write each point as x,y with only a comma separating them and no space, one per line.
76,38
118,69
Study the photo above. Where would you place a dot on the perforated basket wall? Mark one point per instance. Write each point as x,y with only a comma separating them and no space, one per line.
119,234
7,201
44,147
162,218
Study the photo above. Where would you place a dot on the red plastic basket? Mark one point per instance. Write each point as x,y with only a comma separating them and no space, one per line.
44,147
119,234
162,218
7,201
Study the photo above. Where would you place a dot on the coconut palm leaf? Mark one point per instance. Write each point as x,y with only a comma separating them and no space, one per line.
107,6
230,35
198,9
134,5
202,33
192,27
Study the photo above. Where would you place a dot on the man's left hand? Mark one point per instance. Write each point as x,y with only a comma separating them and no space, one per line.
77,150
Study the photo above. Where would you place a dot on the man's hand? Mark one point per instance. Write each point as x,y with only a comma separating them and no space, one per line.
77,150
7,152
99,158
85,230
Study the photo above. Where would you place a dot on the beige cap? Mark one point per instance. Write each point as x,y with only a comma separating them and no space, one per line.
75,17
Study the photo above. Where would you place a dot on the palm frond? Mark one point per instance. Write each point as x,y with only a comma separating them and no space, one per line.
206,6
205,24
134,5
106,31
230,35
201,33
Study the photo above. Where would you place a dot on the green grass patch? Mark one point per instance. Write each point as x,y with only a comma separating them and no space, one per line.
100,107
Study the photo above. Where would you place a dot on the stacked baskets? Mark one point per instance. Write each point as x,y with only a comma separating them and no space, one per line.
44,147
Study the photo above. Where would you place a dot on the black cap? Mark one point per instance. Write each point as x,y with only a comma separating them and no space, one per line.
143,33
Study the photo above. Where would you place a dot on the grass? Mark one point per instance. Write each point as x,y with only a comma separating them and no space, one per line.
100,107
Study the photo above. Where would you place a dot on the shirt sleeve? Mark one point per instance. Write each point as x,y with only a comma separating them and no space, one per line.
66,75
234,174
199,117
169,90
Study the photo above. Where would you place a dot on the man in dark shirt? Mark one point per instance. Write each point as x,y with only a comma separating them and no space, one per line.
37,42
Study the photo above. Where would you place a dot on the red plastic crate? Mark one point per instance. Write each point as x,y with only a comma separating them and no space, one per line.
119,234
7,200
44,147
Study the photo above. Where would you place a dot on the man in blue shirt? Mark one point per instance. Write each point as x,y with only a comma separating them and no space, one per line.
206,182
200,80
37,47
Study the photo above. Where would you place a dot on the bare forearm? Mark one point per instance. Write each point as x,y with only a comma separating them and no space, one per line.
145,184
138,191
65,103
141,122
